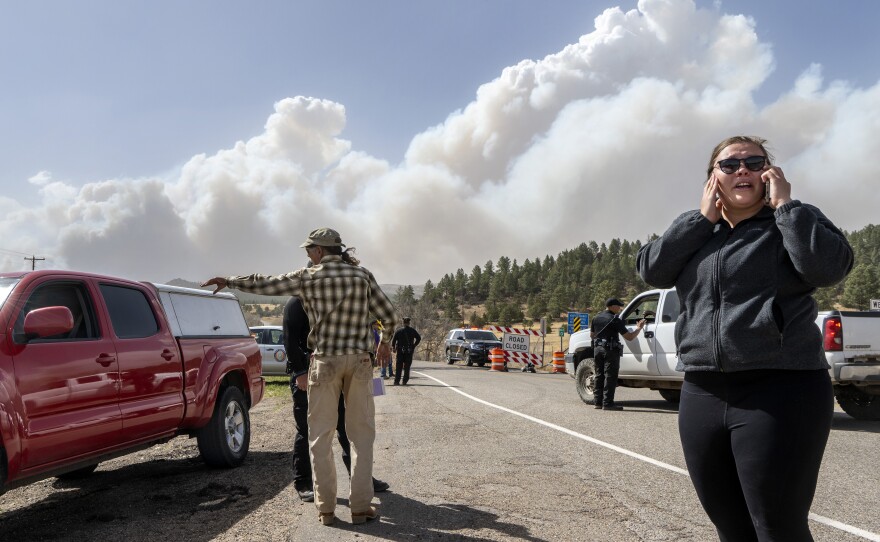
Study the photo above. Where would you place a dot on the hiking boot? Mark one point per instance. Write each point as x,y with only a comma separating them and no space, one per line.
368,515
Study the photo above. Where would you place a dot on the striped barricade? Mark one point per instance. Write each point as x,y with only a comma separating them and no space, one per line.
525,358
515,330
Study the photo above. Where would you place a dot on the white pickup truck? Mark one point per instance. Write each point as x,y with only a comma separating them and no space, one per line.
851,341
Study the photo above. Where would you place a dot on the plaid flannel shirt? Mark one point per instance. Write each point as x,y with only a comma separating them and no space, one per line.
341,299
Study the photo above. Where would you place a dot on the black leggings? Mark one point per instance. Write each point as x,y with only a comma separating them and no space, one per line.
753,443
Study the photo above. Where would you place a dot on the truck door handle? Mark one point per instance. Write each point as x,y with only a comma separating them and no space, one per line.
649,334
105,359
167,354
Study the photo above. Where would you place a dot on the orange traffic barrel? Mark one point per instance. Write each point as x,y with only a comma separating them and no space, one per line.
559,362
496,357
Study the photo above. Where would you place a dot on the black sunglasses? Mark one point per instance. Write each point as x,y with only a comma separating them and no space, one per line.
732,165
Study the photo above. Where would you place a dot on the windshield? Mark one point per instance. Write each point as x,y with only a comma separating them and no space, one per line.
480,336
6,286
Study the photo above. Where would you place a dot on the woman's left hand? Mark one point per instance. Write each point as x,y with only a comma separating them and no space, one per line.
777,187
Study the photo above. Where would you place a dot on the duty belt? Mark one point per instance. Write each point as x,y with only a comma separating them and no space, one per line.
605,343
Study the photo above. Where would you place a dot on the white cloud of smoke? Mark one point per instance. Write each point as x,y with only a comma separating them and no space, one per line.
606,138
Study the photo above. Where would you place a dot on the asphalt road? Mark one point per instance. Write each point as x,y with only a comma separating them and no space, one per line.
475,455
471,455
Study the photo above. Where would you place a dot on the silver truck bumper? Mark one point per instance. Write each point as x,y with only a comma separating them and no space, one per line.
569,364
857,372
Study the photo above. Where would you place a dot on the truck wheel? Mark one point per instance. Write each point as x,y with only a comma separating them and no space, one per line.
449,360
467,358
78,473
585,381
857,403
224,441
673,396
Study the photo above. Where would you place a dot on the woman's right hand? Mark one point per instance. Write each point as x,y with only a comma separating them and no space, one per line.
710,205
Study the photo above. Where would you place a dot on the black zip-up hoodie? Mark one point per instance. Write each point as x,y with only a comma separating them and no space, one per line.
746,292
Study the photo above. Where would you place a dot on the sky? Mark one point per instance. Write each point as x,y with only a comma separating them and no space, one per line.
162,140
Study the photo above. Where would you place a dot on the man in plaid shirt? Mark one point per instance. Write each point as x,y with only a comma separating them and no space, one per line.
341,299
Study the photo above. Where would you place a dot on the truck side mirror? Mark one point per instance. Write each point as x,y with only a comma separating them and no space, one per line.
47,322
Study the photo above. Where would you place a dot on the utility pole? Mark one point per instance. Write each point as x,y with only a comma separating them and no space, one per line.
543,338
33,260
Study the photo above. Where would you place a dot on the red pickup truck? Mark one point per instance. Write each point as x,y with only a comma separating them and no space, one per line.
94,367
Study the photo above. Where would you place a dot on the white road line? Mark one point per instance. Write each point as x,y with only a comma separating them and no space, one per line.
868,535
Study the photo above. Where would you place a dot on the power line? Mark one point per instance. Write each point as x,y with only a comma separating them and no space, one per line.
13,252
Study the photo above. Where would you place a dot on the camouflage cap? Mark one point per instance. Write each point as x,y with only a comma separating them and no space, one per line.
323,237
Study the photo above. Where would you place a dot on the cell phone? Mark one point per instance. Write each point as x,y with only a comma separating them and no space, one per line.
766,195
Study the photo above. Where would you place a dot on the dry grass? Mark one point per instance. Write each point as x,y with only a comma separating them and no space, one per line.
278,386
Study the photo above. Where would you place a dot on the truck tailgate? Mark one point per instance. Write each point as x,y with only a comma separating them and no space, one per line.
861,334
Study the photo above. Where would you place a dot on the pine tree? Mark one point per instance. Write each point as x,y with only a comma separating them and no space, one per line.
862,285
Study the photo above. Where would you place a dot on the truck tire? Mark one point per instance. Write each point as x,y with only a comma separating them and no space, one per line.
673,396
467,358
857,403
449,360
585,381
225,440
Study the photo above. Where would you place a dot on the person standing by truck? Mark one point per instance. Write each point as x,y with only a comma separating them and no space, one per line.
756,402
295,324
341,299
604,331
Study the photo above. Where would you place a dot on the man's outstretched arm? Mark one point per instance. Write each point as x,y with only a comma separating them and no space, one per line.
219,282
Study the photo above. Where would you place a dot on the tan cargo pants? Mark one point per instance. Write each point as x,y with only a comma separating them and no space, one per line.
329,376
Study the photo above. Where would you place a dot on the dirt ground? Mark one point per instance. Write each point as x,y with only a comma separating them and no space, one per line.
167,493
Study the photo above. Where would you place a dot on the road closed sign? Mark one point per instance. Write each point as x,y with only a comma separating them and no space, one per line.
515,343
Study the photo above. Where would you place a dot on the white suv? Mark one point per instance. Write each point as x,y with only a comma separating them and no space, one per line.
271,341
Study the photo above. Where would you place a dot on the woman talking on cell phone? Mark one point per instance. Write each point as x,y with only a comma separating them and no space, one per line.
756,402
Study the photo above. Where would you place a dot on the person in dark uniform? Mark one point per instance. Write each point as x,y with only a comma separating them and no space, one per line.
607,347
404,344
296,330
